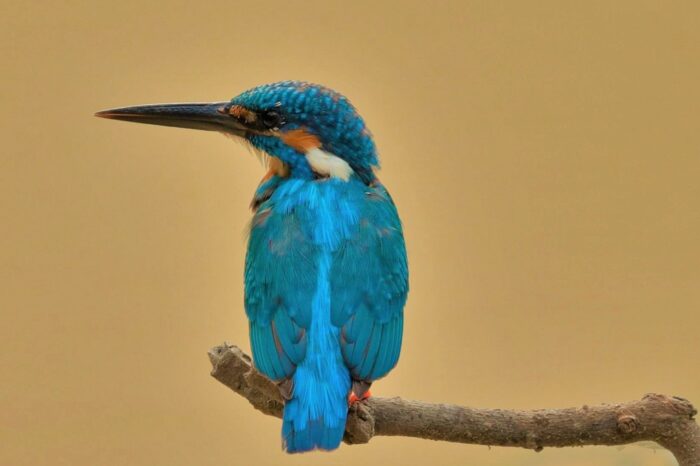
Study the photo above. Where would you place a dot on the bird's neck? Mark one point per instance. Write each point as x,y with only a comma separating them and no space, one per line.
300,168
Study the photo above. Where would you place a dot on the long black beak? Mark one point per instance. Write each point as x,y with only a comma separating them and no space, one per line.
206,116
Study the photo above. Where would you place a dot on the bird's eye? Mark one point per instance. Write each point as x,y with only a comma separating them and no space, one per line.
271,119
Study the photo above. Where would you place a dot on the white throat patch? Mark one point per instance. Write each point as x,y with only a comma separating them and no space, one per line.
325,163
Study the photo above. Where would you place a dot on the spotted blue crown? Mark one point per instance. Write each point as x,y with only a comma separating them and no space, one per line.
319,110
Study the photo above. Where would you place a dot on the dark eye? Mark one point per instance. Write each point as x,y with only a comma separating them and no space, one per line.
271,119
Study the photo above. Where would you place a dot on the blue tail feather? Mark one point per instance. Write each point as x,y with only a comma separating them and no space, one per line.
315,416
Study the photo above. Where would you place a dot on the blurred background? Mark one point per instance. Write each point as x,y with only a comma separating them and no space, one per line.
544,158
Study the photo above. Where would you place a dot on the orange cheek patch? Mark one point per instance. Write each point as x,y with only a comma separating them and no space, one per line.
301,140
242,113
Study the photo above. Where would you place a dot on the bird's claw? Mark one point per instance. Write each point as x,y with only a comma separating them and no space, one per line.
352,399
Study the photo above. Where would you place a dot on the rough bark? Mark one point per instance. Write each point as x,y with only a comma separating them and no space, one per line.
668,421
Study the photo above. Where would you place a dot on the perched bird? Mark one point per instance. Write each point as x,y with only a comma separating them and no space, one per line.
326,275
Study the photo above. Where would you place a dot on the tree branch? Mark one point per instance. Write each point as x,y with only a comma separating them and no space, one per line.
665,420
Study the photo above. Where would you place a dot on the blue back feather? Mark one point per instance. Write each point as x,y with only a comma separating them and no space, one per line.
326,280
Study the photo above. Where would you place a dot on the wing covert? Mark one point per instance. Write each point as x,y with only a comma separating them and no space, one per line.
280,278
369,282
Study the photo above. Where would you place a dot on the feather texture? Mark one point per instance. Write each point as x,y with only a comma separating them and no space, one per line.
370,310
326,281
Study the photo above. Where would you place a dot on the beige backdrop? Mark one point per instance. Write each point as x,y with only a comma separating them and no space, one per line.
544,159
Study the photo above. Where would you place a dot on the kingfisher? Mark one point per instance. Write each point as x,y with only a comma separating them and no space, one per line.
326,273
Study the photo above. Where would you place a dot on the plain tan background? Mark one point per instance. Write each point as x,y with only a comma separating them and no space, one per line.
544,158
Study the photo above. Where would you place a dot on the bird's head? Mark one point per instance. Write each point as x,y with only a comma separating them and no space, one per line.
314,131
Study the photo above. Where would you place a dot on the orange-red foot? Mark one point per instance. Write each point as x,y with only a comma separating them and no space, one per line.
353,399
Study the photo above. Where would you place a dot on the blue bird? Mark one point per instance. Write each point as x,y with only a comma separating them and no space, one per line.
326,274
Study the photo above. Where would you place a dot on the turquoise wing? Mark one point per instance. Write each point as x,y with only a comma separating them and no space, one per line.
280,279
369,283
